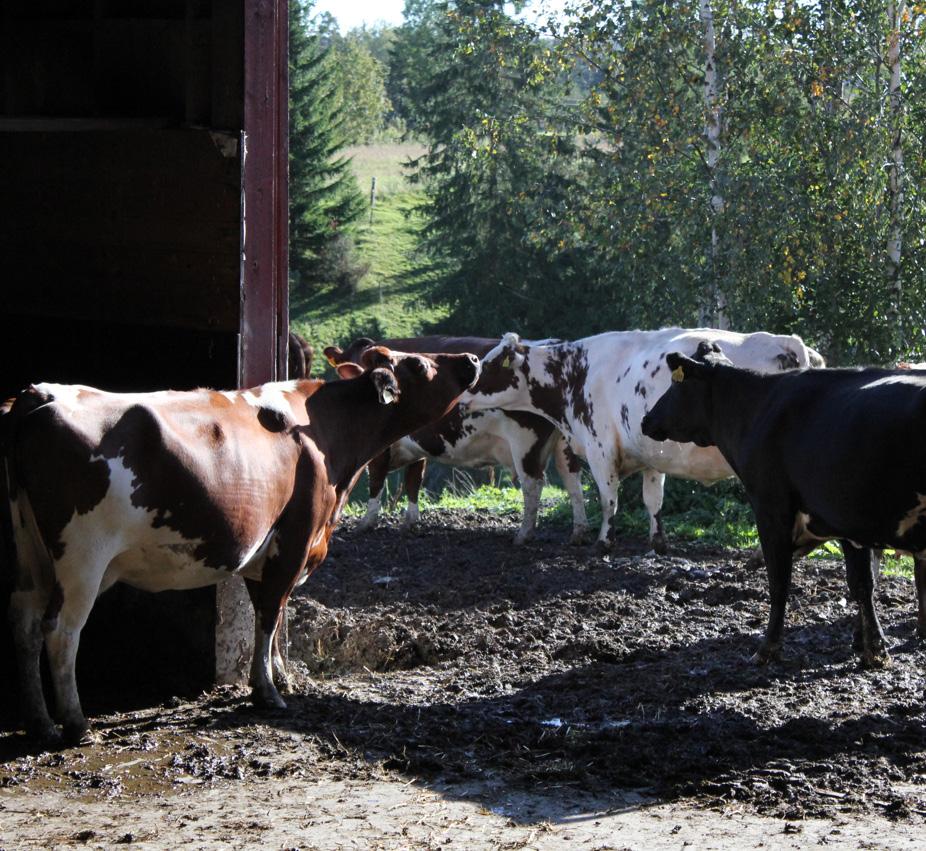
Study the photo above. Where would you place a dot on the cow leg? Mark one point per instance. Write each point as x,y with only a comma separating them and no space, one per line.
605,475
777,549
414,474
25,616
919,575
861,576
80,576
267,616
653,491
377,470
570,472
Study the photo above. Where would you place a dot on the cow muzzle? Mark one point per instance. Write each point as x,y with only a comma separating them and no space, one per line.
651,430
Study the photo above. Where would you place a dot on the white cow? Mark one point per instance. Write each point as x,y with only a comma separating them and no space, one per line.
597,390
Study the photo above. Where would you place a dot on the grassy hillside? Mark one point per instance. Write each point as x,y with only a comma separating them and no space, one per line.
394,297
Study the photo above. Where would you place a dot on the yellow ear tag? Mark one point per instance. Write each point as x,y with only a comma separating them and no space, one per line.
331,360
678,374
506,362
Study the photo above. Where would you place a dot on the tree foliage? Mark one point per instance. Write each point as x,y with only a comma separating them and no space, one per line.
324,196
499,168
567,209
361,80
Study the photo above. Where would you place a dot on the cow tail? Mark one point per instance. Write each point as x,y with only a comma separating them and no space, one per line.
8,560
12,413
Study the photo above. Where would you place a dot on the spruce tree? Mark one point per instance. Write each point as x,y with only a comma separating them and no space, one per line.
324,198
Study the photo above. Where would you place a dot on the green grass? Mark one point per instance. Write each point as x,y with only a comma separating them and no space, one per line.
385,162
394,298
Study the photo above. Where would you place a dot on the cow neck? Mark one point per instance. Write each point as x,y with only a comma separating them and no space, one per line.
354,427
556,378
736,399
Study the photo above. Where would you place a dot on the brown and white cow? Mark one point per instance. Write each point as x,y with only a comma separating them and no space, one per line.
598,389
184,489
521,442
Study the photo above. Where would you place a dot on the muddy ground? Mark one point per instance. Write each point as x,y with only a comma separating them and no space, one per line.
450,690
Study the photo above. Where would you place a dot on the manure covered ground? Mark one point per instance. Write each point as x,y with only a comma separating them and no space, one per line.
532,683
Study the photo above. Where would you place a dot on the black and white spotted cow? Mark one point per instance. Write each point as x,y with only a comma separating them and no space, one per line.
520,442
597,390
822,454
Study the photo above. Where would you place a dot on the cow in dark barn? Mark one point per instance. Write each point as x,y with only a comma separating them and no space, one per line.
177,490
822,454
520,442
299,357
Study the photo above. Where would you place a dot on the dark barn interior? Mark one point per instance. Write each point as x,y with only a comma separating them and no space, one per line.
138,137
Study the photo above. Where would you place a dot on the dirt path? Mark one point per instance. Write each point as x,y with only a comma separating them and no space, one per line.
453,691
383,814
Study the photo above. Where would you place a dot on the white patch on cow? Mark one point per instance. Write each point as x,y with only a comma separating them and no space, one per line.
371,518
119,541
68,396
411,514
272,397
912,517
908,378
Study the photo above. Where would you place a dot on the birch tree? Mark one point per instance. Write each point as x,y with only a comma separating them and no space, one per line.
715,310
896,12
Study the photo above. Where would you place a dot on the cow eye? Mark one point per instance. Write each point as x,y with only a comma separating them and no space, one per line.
418,365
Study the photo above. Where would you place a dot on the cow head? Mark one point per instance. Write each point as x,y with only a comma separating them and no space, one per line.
684,413
503,375
418,385
300,355
335,355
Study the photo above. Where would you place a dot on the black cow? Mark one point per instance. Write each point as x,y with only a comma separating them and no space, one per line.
822,454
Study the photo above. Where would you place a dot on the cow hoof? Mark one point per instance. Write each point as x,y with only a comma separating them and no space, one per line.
660,545
579,537
755,560
765,654
366,526
876,659
45,734
76,733
520,540
602,548
267,700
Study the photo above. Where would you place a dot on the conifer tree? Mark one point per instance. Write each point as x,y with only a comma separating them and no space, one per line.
324,199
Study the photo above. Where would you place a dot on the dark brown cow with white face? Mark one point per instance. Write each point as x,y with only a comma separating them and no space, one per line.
519,441
184,489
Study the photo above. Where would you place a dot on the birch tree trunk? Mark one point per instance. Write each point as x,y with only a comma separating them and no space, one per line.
895,13
714,311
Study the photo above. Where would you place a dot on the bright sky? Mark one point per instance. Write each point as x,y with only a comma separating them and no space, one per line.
353,13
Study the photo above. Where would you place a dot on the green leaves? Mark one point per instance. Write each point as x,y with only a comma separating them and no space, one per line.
323,196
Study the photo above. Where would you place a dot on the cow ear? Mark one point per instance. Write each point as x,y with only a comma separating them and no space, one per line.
512,355
376,357
332,353
704,349
348,370
387,388
417,365
683,368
